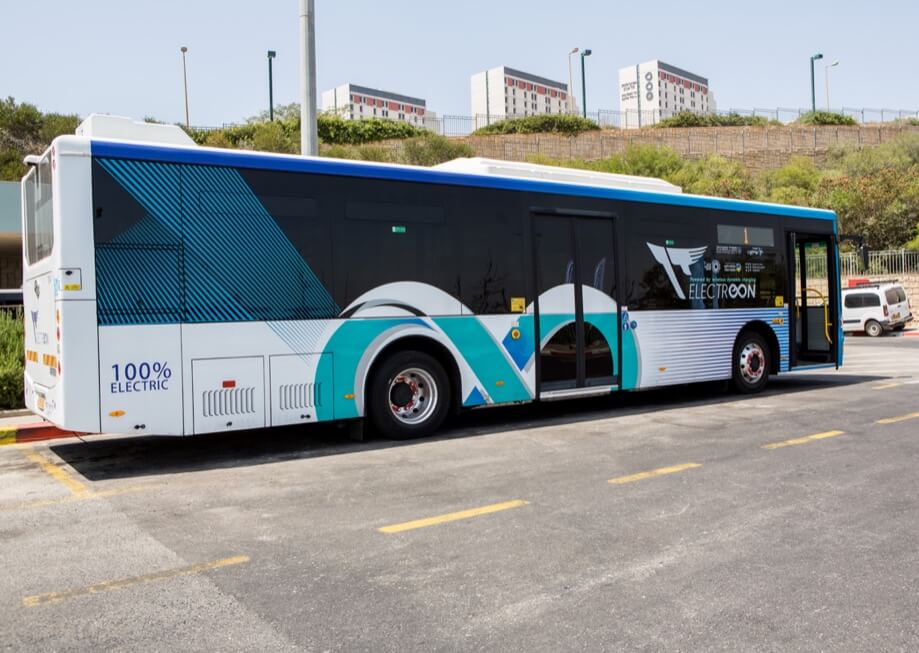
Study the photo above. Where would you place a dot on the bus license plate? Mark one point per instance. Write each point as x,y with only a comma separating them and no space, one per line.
41,402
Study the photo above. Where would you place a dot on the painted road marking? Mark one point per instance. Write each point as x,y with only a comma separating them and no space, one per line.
804,440
654,472
885,386
74,498
59,474
453,516
901,418
121,583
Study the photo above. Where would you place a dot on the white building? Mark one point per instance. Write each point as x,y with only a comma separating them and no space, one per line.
504,92
353,102
654,90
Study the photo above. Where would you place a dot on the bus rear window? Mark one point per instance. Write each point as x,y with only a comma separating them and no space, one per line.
39,212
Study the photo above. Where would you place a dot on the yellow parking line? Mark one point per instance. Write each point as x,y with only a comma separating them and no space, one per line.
901,418
73,498
452,516
885,386
654,472
121,583
57,473
804,440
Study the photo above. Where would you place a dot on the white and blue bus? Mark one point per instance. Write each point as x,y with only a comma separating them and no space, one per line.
177,289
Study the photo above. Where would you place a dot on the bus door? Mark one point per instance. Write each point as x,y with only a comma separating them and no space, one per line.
577,352
814,313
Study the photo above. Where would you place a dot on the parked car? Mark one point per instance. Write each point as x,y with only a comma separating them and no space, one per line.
875,308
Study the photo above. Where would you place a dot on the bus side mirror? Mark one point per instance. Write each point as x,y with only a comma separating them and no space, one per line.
31,159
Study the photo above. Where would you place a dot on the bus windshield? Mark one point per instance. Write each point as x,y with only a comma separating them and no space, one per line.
39,212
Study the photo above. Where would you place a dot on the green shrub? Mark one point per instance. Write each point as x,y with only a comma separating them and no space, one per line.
338,131
432,149
12,353
689,119
545,123
825,118
358,152
273,137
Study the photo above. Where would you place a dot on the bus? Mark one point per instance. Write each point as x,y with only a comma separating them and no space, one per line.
173,289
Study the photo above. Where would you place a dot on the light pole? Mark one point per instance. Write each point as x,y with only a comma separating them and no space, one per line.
584,53
813,95
185,80
309,139
826,81
571,81
271,55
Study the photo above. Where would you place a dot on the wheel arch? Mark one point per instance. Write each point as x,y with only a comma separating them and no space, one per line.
430,346
761,328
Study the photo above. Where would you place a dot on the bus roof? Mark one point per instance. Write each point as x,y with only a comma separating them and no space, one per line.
322,165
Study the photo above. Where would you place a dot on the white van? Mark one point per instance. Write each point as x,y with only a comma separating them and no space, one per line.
875,308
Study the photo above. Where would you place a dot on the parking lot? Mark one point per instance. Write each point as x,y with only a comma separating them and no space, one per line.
684,518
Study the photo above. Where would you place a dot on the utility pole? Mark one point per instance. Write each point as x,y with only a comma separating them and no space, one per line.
185,80
309,142
271,55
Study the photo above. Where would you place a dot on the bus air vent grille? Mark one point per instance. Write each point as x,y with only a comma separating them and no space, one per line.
228,401
292,396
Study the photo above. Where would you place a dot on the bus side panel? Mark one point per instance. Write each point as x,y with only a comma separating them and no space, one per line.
59,293
141,379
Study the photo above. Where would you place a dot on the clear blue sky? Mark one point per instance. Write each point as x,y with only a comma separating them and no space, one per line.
122,56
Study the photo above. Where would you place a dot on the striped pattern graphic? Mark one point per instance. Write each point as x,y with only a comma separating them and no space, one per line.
684,346
231,260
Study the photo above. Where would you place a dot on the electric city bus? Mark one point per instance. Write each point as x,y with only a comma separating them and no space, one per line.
177,289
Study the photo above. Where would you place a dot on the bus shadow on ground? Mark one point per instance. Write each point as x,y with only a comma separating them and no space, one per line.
131,456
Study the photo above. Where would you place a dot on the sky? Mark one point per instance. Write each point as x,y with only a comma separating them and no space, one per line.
122,56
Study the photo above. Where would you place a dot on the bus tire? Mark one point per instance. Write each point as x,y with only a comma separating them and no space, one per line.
750,363
408,395
873,328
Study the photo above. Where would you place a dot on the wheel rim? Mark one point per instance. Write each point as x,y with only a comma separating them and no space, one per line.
874,329
413,395
752,363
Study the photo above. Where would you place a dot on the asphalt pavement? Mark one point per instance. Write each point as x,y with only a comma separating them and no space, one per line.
677,519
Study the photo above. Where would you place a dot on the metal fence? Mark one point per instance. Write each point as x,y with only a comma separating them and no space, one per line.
892,262
458,125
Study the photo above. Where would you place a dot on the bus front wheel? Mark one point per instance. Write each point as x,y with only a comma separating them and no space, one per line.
751,362
409,395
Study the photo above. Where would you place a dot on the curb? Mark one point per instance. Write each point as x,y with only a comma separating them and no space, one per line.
32,432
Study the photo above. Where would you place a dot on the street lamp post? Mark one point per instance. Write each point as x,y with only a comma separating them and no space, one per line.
826,81
271,55
584,53
571,81
185,81
813,94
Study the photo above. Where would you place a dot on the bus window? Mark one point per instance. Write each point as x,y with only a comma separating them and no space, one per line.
39,213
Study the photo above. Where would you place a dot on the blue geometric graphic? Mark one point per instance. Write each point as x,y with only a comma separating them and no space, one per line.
234,261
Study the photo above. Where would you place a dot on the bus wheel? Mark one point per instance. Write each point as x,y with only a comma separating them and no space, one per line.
751,362
873,328
409,395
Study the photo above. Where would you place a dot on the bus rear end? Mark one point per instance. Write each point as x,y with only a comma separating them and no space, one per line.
61,345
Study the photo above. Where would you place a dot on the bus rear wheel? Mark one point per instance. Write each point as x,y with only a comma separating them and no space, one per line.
750,363
409,395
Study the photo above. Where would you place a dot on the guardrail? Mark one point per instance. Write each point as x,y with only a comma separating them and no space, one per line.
891,262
